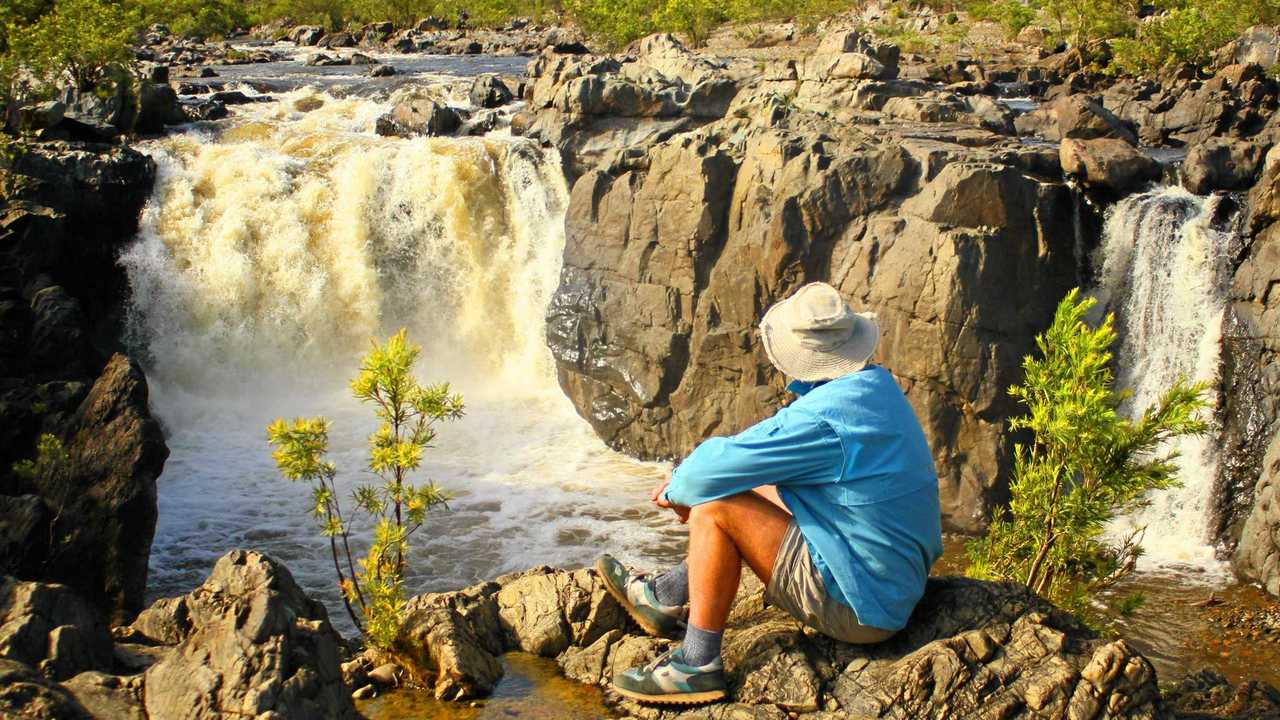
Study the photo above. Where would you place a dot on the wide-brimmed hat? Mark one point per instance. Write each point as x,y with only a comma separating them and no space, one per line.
814,335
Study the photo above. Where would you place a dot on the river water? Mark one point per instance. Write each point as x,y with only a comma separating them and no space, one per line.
278,242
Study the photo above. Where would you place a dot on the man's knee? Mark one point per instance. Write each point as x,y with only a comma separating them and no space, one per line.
717,512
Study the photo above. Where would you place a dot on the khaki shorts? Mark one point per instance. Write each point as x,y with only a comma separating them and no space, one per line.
797,587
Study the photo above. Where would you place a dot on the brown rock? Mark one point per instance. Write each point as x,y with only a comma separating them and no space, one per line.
49,627
24,693
255,644
1221,164
1108,164
1074,116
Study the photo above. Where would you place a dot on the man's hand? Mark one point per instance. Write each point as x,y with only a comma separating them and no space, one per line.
681,511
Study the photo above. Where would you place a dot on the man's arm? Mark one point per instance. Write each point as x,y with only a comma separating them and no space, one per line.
793,446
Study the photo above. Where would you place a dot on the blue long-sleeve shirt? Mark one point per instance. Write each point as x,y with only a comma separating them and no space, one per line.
851,463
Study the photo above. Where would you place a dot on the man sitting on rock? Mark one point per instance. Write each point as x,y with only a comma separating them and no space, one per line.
832,502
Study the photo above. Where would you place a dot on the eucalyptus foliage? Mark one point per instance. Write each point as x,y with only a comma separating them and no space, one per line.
394,508
1085,465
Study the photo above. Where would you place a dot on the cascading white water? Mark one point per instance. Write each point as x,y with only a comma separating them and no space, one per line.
1163,269
268,257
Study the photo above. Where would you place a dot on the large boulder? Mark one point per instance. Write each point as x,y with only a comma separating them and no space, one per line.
104,500
1221,164
488,91
306,35
1074,116
1108,164
246,643
419,116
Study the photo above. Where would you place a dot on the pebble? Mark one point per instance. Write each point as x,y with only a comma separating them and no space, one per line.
386,674
363,693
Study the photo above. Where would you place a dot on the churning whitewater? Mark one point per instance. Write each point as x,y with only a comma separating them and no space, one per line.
1163,270
272,252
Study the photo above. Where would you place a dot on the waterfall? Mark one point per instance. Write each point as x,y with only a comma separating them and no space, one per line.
273,249
1163,268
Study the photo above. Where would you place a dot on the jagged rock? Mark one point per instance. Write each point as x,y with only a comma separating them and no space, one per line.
1206,695
1108,164
488,91
49,627
58,339
971,649
1258,553
1073,116
22,518
419,116
108,696
1259,44
322,60
106,496
1264,197
24,693
1221,164
306,35
252,643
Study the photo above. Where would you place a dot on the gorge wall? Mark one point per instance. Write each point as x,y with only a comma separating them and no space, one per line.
959,238
706,189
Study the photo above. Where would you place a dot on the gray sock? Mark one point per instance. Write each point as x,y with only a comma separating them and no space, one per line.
700,646
672,586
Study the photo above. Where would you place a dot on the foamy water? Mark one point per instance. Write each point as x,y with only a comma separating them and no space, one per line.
1163,271
273,249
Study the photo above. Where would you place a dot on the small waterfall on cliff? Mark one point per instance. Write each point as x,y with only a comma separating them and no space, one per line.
1162,267
269,255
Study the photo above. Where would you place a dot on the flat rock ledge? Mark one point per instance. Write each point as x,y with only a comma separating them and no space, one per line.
972,650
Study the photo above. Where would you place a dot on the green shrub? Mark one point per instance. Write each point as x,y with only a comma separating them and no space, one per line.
694,18
1011,15
193,18
1085,465
76,40
1188,32
408,413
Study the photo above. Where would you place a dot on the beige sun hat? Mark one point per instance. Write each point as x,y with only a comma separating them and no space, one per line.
814,335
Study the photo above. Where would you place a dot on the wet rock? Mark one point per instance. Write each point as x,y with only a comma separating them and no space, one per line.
1258,553
1206,695
1221,164
378,71
420,116
157,107
444,652
488,91
322,60
49,627
254,643
341,39
1108,164
1073,116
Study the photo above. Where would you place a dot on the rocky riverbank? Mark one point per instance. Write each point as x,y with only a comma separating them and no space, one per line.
86,516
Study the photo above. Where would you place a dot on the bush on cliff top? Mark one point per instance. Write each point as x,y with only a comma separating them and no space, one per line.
395,509
1085,465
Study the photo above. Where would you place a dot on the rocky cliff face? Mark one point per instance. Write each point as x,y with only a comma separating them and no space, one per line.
87,519
960,238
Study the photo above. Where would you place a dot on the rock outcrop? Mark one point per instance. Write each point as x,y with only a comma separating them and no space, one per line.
87,520
971,649
246,643
678,242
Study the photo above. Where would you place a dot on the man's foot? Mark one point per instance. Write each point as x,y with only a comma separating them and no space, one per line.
669,681
637,598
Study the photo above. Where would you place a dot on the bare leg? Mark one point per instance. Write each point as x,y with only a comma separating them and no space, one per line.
722,535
